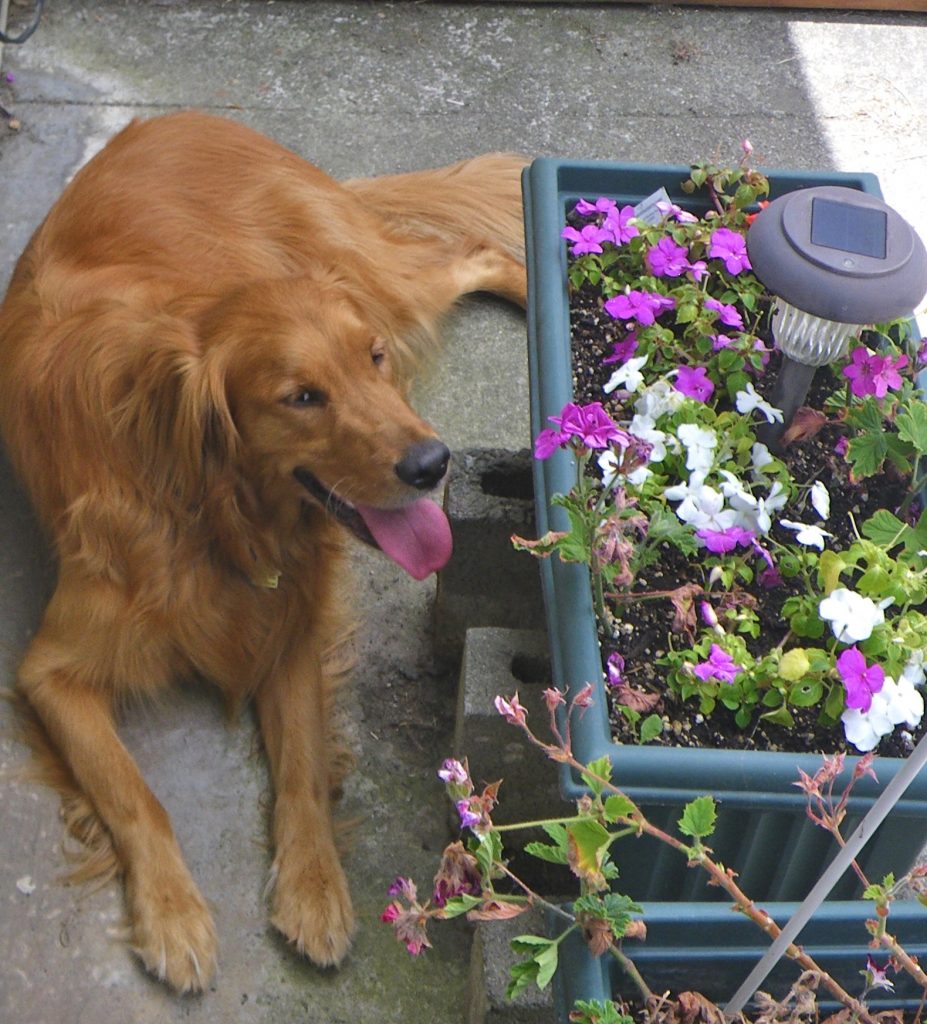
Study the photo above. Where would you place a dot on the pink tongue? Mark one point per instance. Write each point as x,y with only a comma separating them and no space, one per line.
417,536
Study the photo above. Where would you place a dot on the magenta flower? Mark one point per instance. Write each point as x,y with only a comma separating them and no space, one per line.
871,374
727,314
617,224
622,350
722,542
693,382
590,423
547,442
720,665
731,247
643,307
720,341
667,259
453,772
587,239
860,680
842,446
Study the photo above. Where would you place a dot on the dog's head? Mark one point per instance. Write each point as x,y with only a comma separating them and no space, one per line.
305,383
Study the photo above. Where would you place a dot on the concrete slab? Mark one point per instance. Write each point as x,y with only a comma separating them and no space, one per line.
362,88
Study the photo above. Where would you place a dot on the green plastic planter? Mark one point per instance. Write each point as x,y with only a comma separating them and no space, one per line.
763,832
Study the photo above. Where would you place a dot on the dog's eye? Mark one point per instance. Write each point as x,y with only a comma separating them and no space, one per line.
306,397
378,354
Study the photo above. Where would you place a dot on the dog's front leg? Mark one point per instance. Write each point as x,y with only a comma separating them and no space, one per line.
172,929
311,902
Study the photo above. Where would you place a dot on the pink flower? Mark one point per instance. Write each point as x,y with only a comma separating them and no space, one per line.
622,350
642,307
720,665
511,710
871,374
860,680
693,382
667,259
587,239
727,314
617,224
591,425
721,542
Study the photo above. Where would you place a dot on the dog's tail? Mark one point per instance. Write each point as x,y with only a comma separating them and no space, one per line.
477,200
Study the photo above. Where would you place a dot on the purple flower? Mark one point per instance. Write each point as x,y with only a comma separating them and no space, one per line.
452,771
404,887
511,710
667,259
587,239
871,374
615,669
617,224
721,542
644,307
727,314
468,818
622,350
860,680
602,205
842,446
770,578
693,382
676,212
720,341
720,665
547,442
731,247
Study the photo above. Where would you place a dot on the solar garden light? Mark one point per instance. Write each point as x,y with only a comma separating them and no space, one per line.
834,259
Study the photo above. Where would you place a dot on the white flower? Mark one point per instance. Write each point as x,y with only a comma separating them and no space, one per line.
808,534
761,457
914,669
703,509
749,400
893,704
629,374
852,617
608,464
700,444
820,499
753,513
659,398
643,427
681,491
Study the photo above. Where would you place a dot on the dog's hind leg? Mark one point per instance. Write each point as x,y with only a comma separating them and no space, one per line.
172,930
311,901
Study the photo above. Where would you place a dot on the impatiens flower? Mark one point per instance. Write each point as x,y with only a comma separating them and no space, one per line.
628,375
721,542
842,446
641,307
703,509
668,209
618,224
860,680
871,374
820,499
896,702
667,258
727,314
587,239
852,617
760,456
602,205
658,398
720,665
749,399
693,382
622,350
720,341
731,247
808,534
700,444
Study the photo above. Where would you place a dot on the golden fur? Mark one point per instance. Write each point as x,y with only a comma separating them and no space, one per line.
201,314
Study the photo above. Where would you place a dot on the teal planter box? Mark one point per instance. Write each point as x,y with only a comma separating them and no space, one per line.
704,947
763,832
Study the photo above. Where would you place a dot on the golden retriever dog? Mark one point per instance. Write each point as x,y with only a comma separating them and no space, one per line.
205,352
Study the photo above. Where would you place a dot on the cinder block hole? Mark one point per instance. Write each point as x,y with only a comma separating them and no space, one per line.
508,481
530,669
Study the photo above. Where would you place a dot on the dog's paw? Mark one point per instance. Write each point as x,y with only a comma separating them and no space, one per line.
312,907
174,935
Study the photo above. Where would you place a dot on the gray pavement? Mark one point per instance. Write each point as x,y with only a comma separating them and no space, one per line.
362,88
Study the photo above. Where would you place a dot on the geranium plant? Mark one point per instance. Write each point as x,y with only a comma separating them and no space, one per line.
672,470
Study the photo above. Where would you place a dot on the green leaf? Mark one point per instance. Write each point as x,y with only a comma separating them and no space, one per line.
520,977
588,846
698,818
618,807
651,727
457,905
488,852
912,425
543,959
601,767
806,693
552,854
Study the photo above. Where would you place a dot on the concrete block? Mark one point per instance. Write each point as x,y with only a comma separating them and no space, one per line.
491,958
489,496
503,661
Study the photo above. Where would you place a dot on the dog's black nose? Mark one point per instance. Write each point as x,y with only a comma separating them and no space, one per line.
424,464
